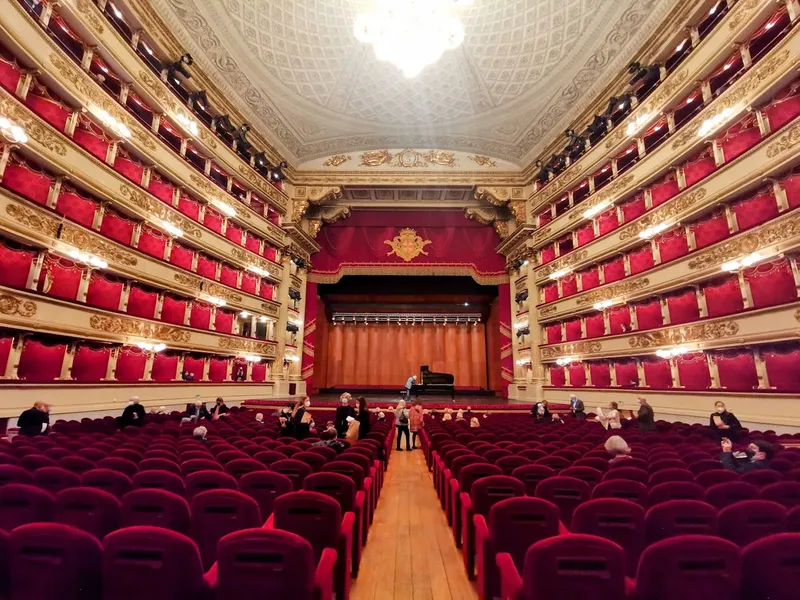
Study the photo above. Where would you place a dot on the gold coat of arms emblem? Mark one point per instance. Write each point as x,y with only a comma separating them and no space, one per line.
407,245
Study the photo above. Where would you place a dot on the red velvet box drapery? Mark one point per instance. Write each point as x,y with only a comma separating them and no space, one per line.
270,252
548,253
619,319
10,72
739,138
550,292
699,167
90,364
664,189
48,107
627,373
589,279
252,243
131,362
223,322
607,221
557,376
91,138
104,292
573,330
75,206
613,270
595,325
672,244
648,315
545,217
128,167
784,107
17,265
161,188
152,242
657,372
234,234
553,333
771,283
200,315
791,185
117,227
6,342
194,366
683,308
27,180
206,267
181,256
710,230
229,276
693,371
259,374
217,370
189,207
723,297
782,367
601,375
737,370
40,362
569,285
249,283
755,209
213,220
142,303
641,259
267,290
63,278
585,234
165,367
633,208
173,310
577,375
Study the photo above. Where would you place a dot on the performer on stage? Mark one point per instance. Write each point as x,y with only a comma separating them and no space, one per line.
409,384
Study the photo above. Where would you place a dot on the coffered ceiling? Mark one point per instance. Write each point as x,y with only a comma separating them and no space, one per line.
296,70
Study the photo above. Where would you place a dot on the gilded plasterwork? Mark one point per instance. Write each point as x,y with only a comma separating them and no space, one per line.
38,221
570,349
407,245
135,327
705,332
337,160
482,161
408,159
251,347
13,306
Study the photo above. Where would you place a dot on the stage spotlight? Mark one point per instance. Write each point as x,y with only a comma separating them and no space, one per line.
261,160
277,173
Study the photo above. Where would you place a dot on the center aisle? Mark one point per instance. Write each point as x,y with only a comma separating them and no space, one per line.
410,554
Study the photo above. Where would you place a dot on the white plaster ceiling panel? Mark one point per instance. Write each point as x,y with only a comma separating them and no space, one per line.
297,71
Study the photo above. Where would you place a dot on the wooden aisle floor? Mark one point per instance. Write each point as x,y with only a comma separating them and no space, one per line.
410,553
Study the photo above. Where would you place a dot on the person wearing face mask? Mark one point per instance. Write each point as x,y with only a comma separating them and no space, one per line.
610,418
577,408
220,410
541,413
301,418
133,414
725,423
646,416
342,412
197,411
756,456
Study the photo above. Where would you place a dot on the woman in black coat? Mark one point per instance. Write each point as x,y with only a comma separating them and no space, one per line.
725,423
363,418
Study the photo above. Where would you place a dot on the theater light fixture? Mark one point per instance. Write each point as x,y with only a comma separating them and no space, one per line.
744,262
215,300
111,122
653,231
713,123
670,352
252,358
591,213
12,132
258,271
521,325
262,319
244,314
604,304
224,208
560,273
639,122
150,347
292,358
523,361
564,361
171,229
87,258
187,123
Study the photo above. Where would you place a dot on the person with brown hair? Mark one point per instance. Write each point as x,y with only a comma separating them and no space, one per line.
415,422
362,416
611,418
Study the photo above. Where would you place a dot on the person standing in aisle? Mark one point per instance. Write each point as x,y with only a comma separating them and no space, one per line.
646,417
415,422
401,421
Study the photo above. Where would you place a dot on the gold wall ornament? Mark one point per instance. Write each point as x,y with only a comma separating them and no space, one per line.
299,207
11,305
321,195
87,9
518,209
607,193
568,349
502,228
541,235
314,225
613,291
482,161
797,316
498,196
270,309
222,292
251,347
35,128
336,160
546,311
705,332
785,142
156,208
269,190
157,89
88,242
663,212
561,263
135,327
249,258
407,245
483,215
194,283
741,11
408,158
376,158
39,221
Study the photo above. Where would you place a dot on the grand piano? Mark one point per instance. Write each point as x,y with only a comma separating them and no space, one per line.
431,382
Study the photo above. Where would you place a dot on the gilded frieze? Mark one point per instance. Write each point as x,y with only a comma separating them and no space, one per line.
37,131
741,12
38,221
87,9
93,244
787,141
616,290
562,263
13,306
336,161
482,161
571,349
546,311
135,327
604,195
270,309
704,332
664,212
251,347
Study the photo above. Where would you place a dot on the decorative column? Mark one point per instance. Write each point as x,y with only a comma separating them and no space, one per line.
83,287
124,297
613,372
159,306
148,367
640,373
664,311
111,367
676,376
206,367
249,375
13,358
179,370
713,370
701,301
761,370
282,387
54,191
228,369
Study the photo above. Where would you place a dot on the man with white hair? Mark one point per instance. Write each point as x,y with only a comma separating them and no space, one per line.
410,384
200,433
133,414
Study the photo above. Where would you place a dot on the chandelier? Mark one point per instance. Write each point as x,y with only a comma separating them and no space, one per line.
411,34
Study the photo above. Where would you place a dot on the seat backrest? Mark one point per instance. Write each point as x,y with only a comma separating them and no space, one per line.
92,510
264,487
112,482
620,521
315,517
556,463
267,457
21,504
494,455
600,464
762,477
151,563
359,459
55,479
351,470
203,481
470,473
339,487
751,520
161,480
674,490
715,476
314,460
76,464
508,463
587,474
626,472
565,492
14,474
689,567
157,508
36,461
786,493
670,474
706,464
488,491
624,489
160,464
295,470
122,465
531,475
52,561
328,453
628,463
241,466
216,513
578,566
265,563
721,495
199,464
680,517
516,523
665,463
771,568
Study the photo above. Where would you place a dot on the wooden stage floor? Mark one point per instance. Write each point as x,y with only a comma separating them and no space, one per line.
410,553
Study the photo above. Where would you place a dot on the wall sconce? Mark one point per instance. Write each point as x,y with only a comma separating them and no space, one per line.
170,228
671,352
150,347
187,123
223,207
592,212
258,271
214,300
12,132
639,122
653,231
713,123
109,121
560,273
252,358
86,258
744,262
564,361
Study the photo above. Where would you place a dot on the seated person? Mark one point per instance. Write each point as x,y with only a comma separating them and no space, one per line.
459,415
187,376
260,419
757,456
351,436
34,421
220,410
133,414
200,433
541,413
197,411
474,423
617,448
724,423
330,427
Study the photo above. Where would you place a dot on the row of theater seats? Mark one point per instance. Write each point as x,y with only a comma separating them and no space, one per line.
155,502
506,498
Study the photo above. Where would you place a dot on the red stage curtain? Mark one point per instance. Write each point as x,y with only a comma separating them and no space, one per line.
693,371
683,308
10,73
550,292
161,188
548,253
617,317
595,326
627,373
223,321
657,372
259,372
6,342
739,138
117,227
181,256
664,189
189,207
633,208
649,315
585,234
40,361
613,270
771,283
569,285
104,292
142,303
194,366
213,220
234,234
130,364
554,333
577,375
357,353
64,278
249,283
784,107
782,367
607,221
27,180
16,265
200,315
91,138
90,364
75,206
173,310
165,367
252,243
267,290
229,276
737,370
218,369
641,259
557,376
723,297
699,167
152,242
755,209
47,106
573,330
601,375
270,252
710,230
672,244
791,185
207,267
128,167
590,279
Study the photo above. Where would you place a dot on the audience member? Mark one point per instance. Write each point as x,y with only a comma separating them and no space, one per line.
617,448
610,419
220,410
260,419
197,411
401,421
301,418
364,425
459,415
725,423
133,414
34,421
448,414
474,423
351,436
577,408
200,433
240,374
756,456
331,426
410,384
187,376
381,416
541,413
646,416
415,422
342,412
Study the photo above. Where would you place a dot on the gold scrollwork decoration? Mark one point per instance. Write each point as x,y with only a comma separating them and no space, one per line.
123,326
407,245
94,245
613,291
238,345
785,142
270,309
518,209
87,9
569,260
37,130
195,283
336,161
541,235
11,305
662,213
606,194
568,349
705,332
39,221
546,311
222,292
498,196
482,161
